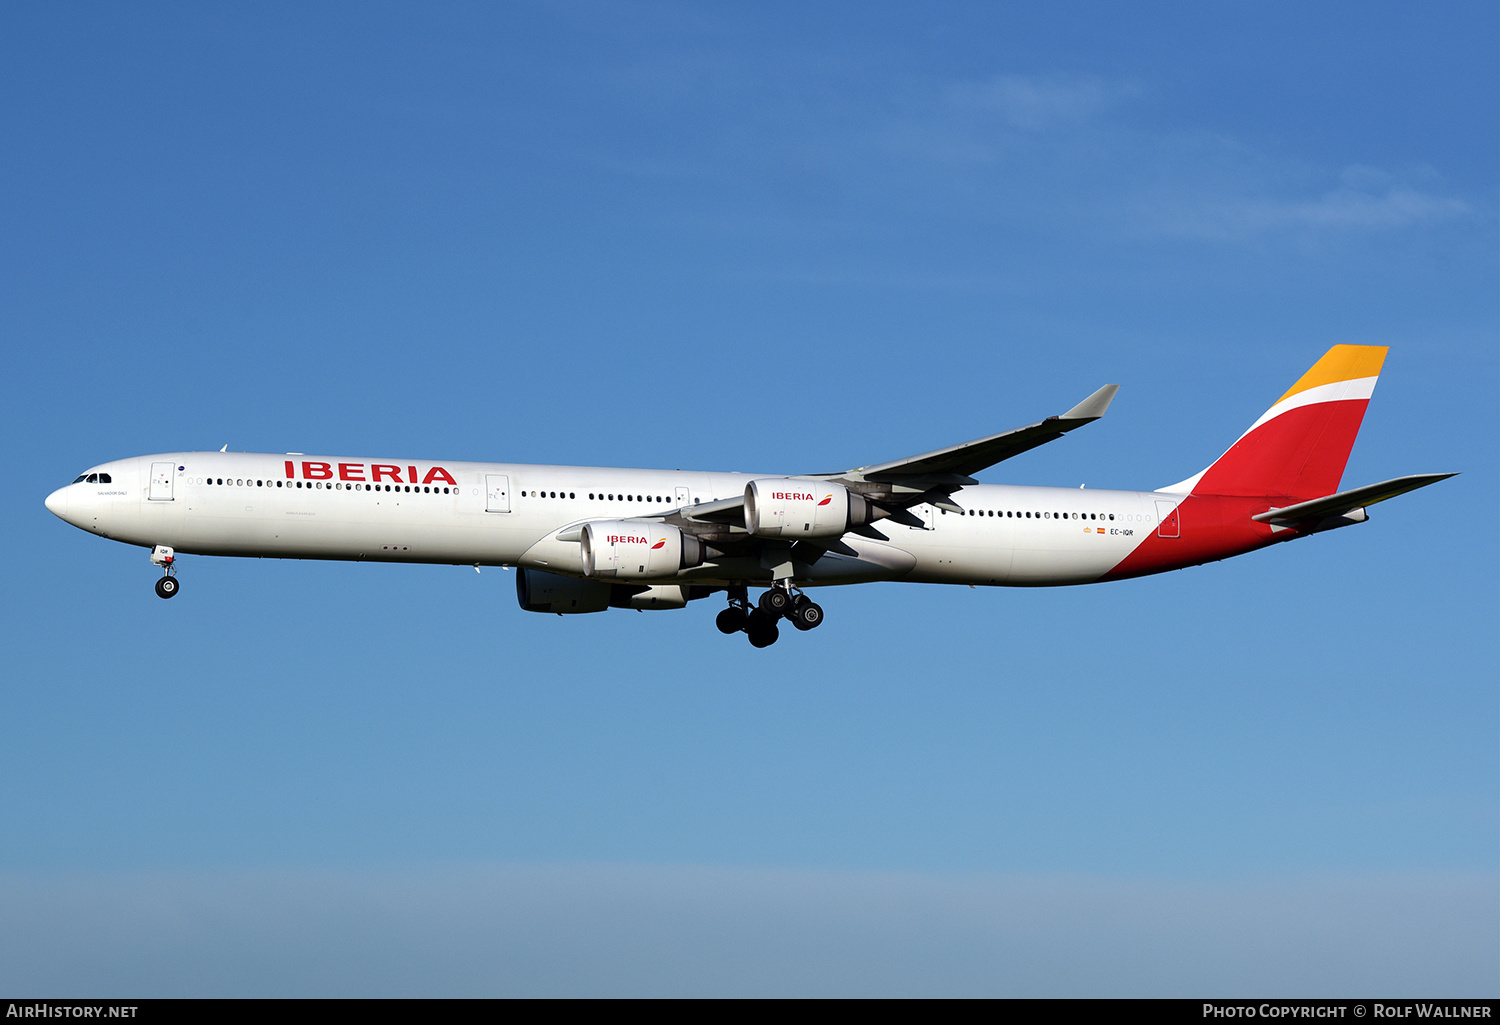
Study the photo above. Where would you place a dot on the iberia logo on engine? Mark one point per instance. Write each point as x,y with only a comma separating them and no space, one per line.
629,539
791,496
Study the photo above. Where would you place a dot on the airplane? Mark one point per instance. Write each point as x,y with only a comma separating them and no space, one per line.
586,539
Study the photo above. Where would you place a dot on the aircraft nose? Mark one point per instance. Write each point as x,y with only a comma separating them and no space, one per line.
57,503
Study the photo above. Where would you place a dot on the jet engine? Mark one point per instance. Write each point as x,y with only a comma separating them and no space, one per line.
538,591
795,509
633,550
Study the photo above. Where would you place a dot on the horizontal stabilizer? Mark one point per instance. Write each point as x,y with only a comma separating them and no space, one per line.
1345,501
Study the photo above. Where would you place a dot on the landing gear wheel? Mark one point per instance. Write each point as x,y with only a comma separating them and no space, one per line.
776,601
731,620
166,587
806,615
762,630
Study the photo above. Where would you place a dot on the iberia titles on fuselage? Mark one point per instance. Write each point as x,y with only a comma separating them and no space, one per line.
589,538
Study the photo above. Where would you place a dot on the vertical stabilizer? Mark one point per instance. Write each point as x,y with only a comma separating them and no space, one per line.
1298,448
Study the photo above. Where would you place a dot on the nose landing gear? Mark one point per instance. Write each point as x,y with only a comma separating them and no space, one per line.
759,623
163,556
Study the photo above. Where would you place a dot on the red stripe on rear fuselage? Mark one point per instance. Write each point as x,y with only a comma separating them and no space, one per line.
1211,527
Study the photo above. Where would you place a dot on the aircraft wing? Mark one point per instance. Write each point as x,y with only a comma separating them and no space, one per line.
895,487
1348,501
930,477
969,458
892,488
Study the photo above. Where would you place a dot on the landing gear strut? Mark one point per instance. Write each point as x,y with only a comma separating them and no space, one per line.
735,618
163,556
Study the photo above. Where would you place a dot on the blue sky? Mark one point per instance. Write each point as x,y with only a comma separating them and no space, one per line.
762,238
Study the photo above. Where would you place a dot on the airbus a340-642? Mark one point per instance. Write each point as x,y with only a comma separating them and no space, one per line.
585,539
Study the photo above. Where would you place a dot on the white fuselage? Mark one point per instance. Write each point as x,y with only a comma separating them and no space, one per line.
506,514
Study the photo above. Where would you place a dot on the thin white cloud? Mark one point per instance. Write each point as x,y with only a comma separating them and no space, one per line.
1344,209
612,930
1039,104
1060,150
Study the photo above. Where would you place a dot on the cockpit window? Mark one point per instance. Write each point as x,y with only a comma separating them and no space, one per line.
93,478
80,478
104,478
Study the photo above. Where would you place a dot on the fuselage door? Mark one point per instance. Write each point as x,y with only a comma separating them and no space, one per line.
1168,524
497,492
161,482
684,498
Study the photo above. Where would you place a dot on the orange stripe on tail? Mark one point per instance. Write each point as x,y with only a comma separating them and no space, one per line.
1341,363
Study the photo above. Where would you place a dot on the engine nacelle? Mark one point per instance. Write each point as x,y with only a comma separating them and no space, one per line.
632,550
661,596
538,591
791,508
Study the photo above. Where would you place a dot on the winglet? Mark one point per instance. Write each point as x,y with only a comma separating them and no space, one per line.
1093,407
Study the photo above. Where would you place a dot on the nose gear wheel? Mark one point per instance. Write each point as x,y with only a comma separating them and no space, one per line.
164,557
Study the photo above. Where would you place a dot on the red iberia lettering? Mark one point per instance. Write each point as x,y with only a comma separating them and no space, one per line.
790,496
316,471
411,474
624,539
438,473
380,471
290,473
351,471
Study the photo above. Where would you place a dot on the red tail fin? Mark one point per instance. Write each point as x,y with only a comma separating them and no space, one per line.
1299,447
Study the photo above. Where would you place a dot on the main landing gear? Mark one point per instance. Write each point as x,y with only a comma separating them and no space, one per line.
759,623
163,556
